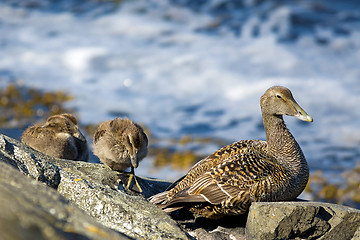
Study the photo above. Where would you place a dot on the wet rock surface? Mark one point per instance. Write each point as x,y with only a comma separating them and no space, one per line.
49,198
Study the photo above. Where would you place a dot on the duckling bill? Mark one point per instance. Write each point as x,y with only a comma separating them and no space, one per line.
227,181
121,144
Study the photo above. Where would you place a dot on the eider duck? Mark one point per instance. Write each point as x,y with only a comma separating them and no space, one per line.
227,181
58,137
120,144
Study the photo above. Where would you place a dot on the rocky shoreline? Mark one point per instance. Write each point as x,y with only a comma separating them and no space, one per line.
48,198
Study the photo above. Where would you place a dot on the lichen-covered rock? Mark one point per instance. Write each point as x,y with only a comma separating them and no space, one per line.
302,220
32,210
28,161
96,190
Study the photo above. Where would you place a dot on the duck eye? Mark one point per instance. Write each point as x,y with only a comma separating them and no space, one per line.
278,96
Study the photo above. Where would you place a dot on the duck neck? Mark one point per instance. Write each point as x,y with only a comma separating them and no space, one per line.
287,153
281,143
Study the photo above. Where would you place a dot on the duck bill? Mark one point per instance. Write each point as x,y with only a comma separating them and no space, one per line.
302,115
79,135
134,160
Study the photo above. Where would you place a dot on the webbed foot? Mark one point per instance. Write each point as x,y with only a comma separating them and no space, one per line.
130,182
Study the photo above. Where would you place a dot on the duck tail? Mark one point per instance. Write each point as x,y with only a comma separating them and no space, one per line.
159,199
162,200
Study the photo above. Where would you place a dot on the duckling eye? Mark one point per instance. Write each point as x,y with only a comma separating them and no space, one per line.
278,96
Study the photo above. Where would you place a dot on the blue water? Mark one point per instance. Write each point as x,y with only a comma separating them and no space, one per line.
196,67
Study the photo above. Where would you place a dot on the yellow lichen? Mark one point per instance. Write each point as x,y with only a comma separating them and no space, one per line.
96,230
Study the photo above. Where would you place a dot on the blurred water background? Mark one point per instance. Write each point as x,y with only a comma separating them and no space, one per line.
192,72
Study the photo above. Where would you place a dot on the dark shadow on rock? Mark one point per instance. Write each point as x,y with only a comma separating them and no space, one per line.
151,186
225,222
324,214
228,227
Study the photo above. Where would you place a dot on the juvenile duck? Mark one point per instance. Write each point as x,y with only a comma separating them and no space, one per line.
227,181
120,144
58,137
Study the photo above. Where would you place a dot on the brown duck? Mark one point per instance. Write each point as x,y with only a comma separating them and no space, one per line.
58,137
121,144
227,181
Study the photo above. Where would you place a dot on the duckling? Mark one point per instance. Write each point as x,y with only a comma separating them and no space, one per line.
227,181
120,144
58,137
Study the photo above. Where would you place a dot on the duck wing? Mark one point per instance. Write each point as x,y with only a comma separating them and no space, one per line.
236,179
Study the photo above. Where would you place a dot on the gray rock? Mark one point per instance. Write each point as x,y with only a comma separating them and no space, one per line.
32,210
302,220
28,161
96,190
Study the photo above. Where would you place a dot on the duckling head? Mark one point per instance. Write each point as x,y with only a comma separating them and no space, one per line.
136,145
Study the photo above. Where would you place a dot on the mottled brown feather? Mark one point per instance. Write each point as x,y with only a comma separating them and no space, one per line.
59,137
98,134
